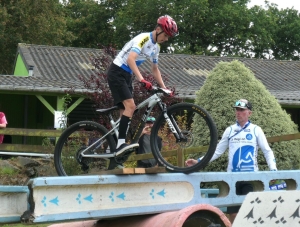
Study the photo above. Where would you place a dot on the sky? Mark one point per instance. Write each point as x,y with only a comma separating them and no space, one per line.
280,3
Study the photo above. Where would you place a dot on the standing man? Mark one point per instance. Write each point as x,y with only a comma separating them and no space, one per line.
243,139
135,52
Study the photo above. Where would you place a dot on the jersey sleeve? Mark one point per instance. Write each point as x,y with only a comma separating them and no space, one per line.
222,145
264,146
154,57
139,42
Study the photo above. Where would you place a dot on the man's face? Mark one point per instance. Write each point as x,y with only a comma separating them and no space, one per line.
149,124
242,115
161,37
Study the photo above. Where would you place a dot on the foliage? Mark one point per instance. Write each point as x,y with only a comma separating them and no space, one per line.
230,81
89,21
210,27
29,21
286,34
274,33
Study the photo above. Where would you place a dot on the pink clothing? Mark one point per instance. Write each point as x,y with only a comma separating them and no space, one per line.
2,121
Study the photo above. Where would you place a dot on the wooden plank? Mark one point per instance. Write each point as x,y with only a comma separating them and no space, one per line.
283,138
180,157
125,171
139,170
170,153
26,148
117,171
152,170
30,132
156,170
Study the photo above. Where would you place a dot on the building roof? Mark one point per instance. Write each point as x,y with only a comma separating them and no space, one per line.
58,68
16,84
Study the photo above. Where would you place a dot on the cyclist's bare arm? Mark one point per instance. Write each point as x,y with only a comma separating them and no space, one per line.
157,75
132,65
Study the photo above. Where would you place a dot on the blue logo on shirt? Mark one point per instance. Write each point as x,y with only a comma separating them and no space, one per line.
243,159
249,137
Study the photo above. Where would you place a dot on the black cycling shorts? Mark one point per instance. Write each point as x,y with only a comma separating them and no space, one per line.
242,188
120,84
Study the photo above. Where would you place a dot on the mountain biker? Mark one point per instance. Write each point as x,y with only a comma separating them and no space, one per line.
135,52
243,140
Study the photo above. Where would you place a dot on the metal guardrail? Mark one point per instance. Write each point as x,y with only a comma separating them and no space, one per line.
108,196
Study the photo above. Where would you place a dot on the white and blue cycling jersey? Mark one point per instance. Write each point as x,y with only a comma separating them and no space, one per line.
243,144
144,46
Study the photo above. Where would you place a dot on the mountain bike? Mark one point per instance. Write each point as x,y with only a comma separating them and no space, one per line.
187,131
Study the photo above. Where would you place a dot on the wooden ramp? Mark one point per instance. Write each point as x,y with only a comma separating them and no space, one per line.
153,170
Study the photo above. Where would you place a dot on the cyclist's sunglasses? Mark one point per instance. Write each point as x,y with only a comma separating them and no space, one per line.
241,104
150,119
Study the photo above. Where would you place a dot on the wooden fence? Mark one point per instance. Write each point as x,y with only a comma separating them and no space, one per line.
56,133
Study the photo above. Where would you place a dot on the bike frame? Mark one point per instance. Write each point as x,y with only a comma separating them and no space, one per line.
151,102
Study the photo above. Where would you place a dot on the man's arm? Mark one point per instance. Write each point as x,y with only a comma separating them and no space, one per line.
221,148
222,145
132,65
157,75
264,146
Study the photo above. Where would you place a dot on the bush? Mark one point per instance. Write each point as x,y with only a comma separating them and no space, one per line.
230,81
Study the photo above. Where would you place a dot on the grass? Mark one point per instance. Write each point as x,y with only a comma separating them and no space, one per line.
8,171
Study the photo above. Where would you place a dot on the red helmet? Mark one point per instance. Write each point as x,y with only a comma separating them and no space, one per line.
168,25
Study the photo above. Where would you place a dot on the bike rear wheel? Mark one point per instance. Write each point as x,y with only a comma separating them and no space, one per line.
67,154
199,134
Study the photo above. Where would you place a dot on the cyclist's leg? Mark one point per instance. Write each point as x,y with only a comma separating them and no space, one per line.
120,84
123,127
125,120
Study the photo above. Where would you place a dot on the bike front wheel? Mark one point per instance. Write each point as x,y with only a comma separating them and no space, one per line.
198,138
74,140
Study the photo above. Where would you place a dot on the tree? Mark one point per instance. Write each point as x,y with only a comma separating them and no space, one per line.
90,22
230,81
30,21
286,34
212,27
261,33
274,33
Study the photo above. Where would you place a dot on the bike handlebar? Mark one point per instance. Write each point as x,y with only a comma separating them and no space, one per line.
156,89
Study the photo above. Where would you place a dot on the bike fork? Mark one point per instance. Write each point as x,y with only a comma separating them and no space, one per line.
172,124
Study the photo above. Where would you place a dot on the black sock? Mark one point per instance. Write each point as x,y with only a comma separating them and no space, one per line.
123,127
